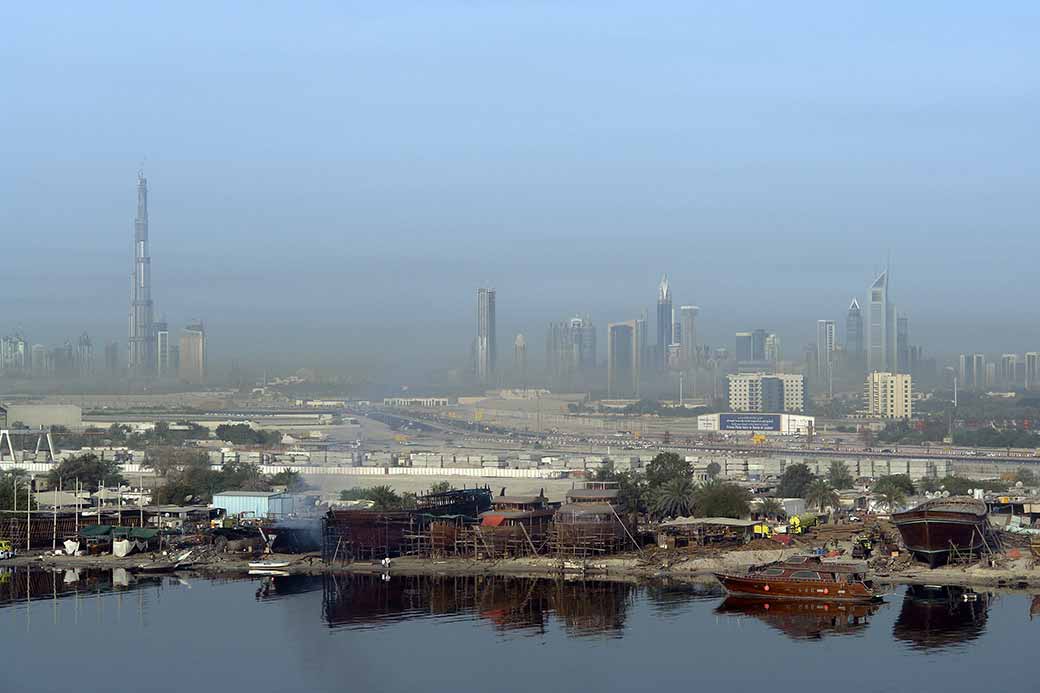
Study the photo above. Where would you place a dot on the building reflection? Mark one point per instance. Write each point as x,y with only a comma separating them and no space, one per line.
803,620
22,584
522,605
934,617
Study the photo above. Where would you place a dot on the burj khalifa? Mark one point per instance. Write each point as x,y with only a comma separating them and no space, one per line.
142,328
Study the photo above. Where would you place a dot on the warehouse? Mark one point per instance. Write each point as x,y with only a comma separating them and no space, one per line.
267,504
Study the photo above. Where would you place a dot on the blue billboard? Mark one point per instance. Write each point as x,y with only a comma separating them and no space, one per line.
749,422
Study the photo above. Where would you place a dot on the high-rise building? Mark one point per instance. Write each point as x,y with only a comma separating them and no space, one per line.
664,322
761,392
1009,369
881,327
192,367
112,359
889,395
520,360
991,374
486,351
902,344
624,345
1032,374
774,349
163,368
854,333
826,345
15,355
743,348
570,351
978,371
84,356
142,330
688,335
758,345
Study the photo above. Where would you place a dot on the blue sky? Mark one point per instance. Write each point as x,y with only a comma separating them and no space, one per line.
336,179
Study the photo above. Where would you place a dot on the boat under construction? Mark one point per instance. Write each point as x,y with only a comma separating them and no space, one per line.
802,577
944,529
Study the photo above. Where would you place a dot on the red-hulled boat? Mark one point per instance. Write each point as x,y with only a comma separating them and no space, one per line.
802,577
938,528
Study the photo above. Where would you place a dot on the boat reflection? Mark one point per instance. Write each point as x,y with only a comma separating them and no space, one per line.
278,586
936,617
524,605
803,619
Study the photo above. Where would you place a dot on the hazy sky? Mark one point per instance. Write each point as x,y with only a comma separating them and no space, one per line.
336,179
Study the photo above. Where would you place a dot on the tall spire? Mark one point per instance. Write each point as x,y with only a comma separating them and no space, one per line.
141,350
664,292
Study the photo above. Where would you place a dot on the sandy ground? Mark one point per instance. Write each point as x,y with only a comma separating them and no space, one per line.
1018,575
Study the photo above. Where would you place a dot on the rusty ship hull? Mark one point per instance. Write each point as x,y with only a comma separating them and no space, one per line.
939,529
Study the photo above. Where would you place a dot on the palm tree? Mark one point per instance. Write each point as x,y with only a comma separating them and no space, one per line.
821,495
673,498
839,475
890,498
384,498
772,508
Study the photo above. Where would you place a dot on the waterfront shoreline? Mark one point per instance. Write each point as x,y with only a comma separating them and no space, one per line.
1020,574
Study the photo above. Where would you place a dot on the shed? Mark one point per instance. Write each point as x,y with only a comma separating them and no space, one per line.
254,503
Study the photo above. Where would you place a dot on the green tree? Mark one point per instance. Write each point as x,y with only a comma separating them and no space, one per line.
840,476
665,467
673,498
718,499
291,479
90,469
890,497
243,476
897,481
929,484
8,479
1026,476
821,495
714,468
353,494
771,508
384,498
794,481
441,487
164,460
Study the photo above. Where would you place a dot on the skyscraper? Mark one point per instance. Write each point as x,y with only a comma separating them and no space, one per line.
902,344
774,349
664,321
570,350
193,354
162,350
1009,369
520,360
142,331
1032,375
826,344
758,345
624,345
85,356
743,348
854,334
485,352
688,335
881,327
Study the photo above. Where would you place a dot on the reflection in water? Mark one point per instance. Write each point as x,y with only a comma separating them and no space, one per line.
510,603
278,586
936,617
21,584
803,620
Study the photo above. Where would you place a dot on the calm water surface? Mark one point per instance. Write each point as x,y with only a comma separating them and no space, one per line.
109,631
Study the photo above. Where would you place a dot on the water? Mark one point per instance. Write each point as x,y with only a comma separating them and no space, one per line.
116,632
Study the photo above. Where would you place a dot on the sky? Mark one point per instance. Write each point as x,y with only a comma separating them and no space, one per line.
331,182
